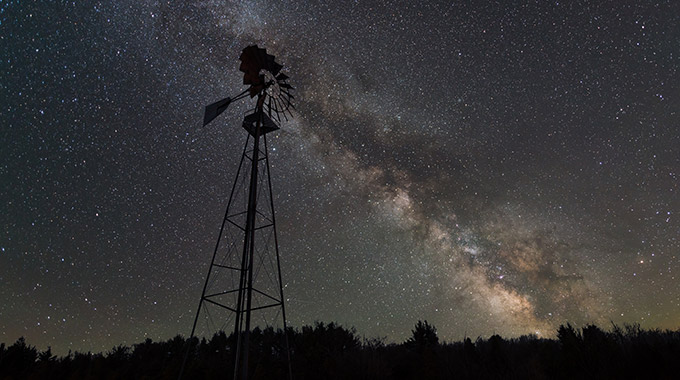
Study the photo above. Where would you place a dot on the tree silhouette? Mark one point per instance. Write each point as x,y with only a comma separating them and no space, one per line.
330,351
424,335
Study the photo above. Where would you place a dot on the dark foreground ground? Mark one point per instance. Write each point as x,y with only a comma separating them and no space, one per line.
329,351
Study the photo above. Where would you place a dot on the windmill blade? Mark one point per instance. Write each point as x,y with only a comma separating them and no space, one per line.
281,77
285,100
288,107
214,110
271,64
276,110
277,107
283,109
288,93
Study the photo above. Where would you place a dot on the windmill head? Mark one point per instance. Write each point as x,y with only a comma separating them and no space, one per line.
263,74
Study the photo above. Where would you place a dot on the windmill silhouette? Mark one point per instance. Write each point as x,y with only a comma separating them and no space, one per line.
243,285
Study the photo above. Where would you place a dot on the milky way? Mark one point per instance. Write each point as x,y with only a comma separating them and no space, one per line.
492,169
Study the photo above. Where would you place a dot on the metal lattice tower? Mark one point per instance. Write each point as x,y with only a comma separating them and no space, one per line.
243,287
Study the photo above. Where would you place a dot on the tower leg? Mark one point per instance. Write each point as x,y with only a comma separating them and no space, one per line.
212,261
278,260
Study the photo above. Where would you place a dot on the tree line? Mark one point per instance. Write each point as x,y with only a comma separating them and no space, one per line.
330,351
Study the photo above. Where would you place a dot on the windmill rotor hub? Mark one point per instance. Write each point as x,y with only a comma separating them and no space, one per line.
271,86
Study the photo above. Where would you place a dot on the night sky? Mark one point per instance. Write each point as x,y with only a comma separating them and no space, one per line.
492,168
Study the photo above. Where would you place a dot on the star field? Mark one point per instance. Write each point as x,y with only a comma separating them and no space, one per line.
490,168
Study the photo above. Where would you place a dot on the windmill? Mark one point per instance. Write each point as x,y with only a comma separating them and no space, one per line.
243,285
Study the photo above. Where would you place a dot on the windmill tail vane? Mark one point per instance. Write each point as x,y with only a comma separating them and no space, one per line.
215,109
